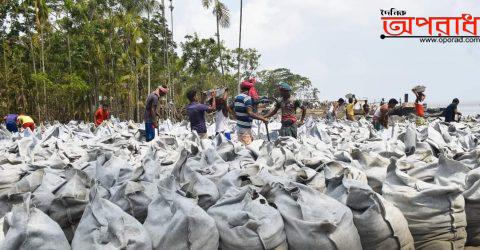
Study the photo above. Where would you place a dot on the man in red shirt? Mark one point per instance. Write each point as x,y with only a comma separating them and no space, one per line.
102,114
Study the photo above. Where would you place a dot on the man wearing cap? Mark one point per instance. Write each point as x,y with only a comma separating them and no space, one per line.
289,106
151,114
243,108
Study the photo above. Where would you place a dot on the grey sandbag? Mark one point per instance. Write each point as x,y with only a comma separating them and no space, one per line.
435,211
380,224
472,207
194,184
106,226
177,222
70,201
246,221
29,228
312,219
112,170
131,198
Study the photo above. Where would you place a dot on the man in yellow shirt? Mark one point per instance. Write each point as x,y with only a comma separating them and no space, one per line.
26,121
350,108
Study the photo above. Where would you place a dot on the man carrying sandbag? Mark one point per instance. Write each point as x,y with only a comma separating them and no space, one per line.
350,108
243,108
151,114
25,121
196,113
289,106
419,107
380,118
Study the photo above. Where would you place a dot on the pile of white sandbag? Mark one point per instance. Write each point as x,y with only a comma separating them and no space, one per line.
341,185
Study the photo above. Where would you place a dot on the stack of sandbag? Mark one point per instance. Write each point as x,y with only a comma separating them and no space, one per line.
27,227
435,211
313,220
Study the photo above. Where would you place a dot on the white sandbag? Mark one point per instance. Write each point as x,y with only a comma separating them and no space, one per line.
435,212
472,207
176,222
132,198
328,223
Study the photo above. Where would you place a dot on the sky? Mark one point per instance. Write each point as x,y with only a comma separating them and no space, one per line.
337,45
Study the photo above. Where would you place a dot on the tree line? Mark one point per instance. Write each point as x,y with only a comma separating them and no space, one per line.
61,58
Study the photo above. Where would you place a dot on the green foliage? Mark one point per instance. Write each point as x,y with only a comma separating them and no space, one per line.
59,57
268,81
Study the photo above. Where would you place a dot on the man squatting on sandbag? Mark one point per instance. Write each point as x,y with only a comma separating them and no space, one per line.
288,104
243,109
151,114
196,113
380,118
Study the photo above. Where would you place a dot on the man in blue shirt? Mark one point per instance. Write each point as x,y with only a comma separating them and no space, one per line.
243,108
196,113
11,122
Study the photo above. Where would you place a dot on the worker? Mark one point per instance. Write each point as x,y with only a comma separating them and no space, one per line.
333,109
289,105
221,116
25,122
151,113
419,107
11,122
102,114
196,113
243,108
451,111
366,109
350,108
380,118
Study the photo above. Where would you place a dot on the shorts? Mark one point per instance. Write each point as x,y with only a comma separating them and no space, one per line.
245,135
289,130
377,125
29,125
149,131
12,127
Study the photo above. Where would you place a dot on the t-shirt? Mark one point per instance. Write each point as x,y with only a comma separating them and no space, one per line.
289,108
350,110
450,112
101,115
196,115
380,114
152,101
11,118
22,119
242,102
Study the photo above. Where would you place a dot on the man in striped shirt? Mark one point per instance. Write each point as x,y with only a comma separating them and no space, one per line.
243,108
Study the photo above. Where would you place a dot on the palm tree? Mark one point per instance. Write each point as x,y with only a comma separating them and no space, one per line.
149,6
222,14
239,44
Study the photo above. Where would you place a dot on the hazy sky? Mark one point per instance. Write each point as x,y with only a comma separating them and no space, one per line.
336,44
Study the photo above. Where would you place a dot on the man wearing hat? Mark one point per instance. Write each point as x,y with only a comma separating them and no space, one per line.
289,105
243,108
151,114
